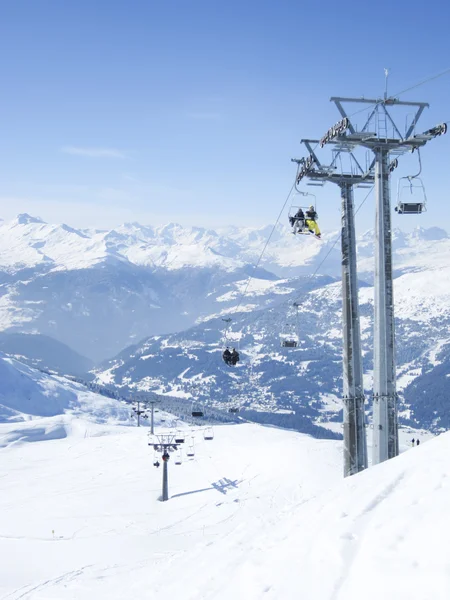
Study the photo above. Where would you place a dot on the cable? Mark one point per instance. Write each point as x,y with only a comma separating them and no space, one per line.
289,302
264,249
413,87
339,236
423,82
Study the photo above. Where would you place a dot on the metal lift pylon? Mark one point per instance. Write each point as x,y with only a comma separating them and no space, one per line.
355,445
383,145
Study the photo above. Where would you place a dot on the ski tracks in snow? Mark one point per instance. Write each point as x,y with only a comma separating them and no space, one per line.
352,536
26,590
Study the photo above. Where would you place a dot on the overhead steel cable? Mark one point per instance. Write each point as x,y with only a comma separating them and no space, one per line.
290,302
408,89
255,266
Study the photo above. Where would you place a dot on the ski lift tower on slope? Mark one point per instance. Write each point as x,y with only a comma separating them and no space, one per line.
382,136
355,445
165,444
147,399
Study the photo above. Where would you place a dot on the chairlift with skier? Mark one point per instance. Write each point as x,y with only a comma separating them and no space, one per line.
303,219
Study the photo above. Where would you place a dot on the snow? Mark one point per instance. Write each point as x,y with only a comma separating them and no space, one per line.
30,242
257,513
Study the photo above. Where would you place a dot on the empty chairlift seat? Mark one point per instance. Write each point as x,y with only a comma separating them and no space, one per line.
411,196
409,208
289,343
197,410
179,438
208,434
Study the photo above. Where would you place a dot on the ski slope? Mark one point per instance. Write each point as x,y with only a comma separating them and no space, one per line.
258,513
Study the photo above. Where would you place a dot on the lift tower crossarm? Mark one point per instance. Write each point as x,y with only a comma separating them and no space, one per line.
380,102
312,153
329,173
388,102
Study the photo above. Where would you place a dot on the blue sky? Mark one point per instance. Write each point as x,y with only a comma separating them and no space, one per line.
190,111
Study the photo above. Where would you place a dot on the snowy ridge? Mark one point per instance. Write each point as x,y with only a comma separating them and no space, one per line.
28,242
42,406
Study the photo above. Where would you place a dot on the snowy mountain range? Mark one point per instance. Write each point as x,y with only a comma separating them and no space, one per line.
100,291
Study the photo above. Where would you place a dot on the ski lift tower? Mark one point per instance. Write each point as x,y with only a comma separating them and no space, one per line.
165,443
146,400
384,140
355,445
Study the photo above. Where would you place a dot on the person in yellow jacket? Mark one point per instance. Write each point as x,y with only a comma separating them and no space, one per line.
310,220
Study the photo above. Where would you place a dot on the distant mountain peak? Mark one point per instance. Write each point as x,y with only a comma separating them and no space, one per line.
430,234
26,219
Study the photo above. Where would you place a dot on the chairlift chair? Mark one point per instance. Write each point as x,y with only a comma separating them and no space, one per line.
190,451
208,434
179,438
197,410
178,458
411,196
288,338
289,343
292,212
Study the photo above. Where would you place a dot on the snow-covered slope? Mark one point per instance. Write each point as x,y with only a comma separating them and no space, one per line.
256,513
44,353
36,406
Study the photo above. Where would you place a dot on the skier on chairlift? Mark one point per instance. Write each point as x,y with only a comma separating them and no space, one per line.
297,221
227,356
234,356
311,224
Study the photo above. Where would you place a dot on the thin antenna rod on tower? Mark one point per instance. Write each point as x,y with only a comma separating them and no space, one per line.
386,75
